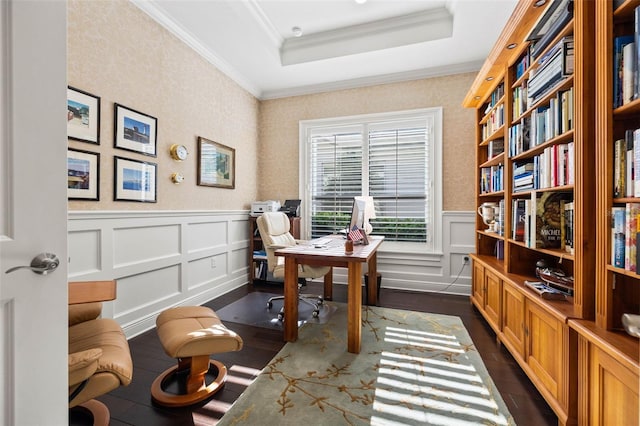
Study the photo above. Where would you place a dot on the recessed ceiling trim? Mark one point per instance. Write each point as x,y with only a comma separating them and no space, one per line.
185,36
420,74
263,20
413,28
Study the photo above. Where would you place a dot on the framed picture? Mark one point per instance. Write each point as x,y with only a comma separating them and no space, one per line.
83,116
134,180
135,131
83,175
216,164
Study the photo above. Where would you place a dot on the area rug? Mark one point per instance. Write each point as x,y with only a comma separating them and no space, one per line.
252,310
413,369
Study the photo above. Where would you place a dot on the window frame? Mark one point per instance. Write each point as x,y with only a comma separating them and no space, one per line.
433,116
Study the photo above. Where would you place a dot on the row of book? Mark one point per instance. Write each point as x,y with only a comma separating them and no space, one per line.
545,220
491,179
555,18
495,148
626,65
557,64
553,167
626,163
496,95
545,123
494,121
624,236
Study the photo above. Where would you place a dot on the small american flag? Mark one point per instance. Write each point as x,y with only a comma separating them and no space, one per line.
355,234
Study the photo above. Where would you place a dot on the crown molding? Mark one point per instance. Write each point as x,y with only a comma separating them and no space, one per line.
174,28
402,30
257,13
374,80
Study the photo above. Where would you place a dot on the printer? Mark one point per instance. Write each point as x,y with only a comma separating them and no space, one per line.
259,207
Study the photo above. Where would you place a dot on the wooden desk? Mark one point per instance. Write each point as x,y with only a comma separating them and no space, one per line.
331,256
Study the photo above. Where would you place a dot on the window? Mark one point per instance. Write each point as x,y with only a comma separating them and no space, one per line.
393,157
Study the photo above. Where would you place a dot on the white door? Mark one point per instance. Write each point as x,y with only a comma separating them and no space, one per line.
33,212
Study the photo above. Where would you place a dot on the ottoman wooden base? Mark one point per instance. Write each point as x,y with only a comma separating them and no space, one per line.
195,384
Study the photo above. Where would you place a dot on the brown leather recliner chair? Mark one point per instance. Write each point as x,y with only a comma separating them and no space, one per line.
99,356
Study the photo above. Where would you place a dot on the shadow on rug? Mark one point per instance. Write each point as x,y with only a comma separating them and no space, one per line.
414,369
252,310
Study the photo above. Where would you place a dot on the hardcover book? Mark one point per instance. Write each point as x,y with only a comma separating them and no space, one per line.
547,221
618,228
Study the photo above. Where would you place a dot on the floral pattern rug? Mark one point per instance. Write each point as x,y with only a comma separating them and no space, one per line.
413,369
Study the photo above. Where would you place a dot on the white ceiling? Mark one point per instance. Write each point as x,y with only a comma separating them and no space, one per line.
343,45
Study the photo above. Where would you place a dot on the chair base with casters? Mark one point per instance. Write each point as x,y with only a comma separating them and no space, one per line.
312,300
274,232
191,334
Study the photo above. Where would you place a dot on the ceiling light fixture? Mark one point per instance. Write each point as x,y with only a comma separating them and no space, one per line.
361,1
512,45
489,78
539,3
297,31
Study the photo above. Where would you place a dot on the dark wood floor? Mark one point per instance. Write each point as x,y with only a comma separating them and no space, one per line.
132,405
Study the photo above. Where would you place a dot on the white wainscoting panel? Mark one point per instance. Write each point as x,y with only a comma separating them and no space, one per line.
443,272
159,258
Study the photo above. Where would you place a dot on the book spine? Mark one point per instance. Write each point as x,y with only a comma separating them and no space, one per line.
618,244
619,166
631,227
636,162
628,61
568,222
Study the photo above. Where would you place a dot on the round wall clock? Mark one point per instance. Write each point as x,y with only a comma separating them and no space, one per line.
178,152
177,178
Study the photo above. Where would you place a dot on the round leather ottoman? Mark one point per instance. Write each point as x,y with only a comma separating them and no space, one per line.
191,334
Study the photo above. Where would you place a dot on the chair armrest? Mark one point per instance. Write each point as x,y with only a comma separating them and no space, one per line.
91,291
83,365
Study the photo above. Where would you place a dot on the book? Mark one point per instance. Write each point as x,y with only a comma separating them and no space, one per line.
636,162
628,61
630,164
519,219
618,229
631,228
552,22
619,168
636,67
568,227
548,220
618,45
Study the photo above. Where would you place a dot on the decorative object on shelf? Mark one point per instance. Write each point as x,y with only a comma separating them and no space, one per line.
134,180
83,175
488,212
631,323
216,164
135,131
178,152
83,116
177,178
554,278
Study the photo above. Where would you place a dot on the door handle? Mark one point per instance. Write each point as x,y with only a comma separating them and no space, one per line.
41,264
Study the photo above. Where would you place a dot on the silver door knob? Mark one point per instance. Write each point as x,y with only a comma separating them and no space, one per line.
41,264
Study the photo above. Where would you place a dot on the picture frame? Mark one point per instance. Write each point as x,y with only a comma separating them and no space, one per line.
83,175
135,131
134,180
83,116
216,164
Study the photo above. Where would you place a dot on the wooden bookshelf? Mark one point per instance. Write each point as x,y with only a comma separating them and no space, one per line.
562,345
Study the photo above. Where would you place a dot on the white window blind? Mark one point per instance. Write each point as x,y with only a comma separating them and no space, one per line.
387,156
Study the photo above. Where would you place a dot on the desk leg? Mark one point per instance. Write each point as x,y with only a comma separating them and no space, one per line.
328,285
290,300
354,307
372,296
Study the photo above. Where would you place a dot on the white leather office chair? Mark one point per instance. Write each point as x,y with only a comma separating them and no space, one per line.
274,232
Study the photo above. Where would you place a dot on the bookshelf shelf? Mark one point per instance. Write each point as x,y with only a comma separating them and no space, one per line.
559,360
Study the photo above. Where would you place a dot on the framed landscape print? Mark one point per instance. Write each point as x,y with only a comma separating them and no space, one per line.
135,131
83,116
216,164
134,180
83,175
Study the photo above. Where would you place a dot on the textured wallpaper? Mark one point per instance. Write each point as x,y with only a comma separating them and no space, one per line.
278,159
117,52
